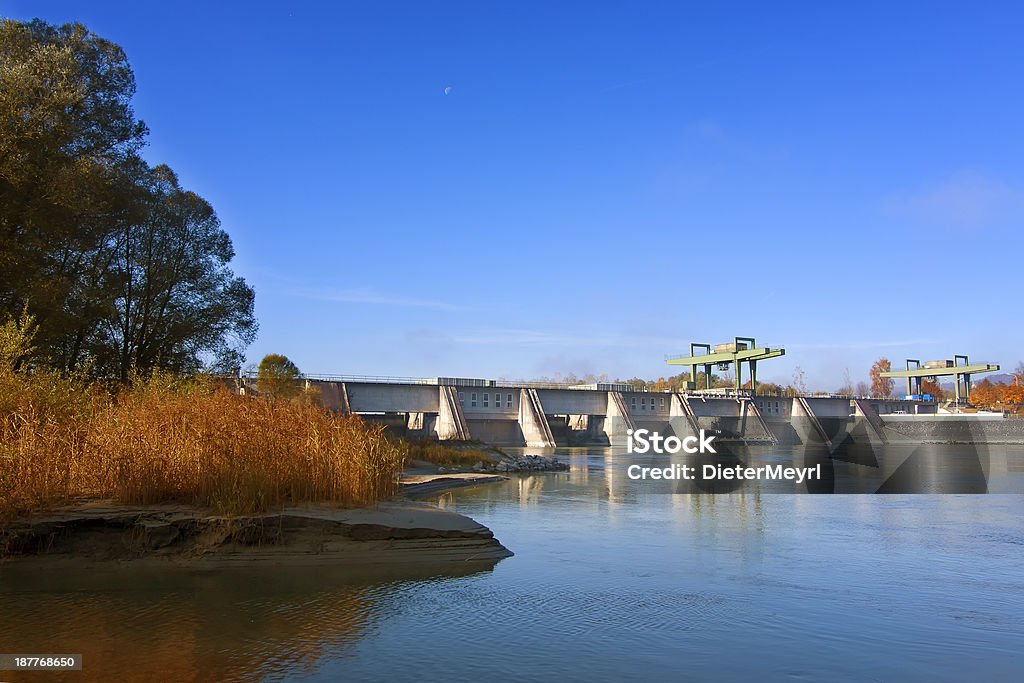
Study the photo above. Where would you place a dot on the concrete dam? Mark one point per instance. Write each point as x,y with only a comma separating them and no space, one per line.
549,416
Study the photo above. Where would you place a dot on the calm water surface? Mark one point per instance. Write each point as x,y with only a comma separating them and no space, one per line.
611,580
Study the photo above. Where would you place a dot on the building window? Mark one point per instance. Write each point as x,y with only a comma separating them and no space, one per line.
462,399
497,400
632,402
508,401
661,402
486,398
472,398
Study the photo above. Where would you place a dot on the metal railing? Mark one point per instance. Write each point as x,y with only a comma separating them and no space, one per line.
453,381
573,386
376,379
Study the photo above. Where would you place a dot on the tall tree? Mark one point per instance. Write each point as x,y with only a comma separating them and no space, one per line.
66,129
121,267
177,302
881,386
278,376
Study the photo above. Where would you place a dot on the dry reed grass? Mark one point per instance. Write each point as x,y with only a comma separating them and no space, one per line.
448,456
186,441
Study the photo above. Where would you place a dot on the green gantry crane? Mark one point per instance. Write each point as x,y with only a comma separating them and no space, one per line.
741,350
941,368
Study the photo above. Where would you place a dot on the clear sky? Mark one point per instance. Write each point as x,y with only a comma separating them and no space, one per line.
602,183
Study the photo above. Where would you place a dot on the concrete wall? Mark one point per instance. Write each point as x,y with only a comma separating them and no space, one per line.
775,406
392,398
332,395
962,429
896,406
782,406
714,407
573,401
489,402
654,424
496,431
643,404
830,407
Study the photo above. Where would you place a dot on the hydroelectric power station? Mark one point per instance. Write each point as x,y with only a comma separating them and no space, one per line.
549,415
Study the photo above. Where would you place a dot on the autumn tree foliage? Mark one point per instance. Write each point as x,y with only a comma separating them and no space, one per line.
984,393
766,388
930,386
1012,393
278,376
999,396
677,383
881,386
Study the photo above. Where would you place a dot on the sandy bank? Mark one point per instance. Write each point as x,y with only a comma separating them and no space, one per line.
389,533
420,483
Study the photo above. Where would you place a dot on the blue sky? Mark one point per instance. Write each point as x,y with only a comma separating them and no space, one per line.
603,183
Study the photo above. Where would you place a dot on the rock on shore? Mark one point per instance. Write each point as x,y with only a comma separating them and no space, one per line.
532,463
522,463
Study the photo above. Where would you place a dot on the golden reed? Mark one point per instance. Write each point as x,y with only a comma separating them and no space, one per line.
193,441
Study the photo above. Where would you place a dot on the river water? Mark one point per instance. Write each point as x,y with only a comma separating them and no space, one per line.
612,579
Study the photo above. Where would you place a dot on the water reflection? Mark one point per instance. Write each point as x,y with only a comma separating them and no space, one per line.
145,623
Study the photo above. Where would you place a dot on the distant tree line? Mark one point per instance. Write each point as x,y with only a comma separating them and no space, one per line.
122,268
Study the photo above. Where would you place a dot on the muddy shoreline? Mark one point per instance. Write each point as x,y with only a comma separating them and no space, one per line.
391,532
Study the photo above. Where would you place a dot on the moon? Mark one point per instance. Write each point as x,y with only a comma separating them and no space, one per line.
447,89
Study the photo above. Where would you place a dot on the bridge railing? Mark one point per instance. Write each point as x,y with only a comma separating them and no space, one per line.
723,392
376,379
467,382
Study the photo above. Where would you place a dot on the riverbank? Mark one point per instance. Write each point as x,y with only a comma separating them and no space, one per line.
392,532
